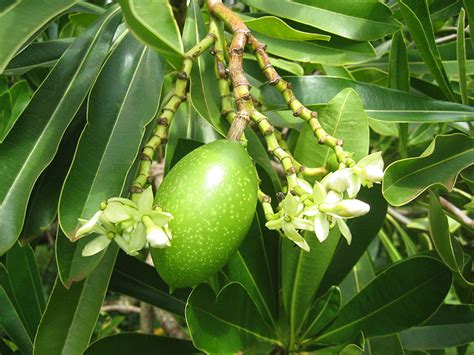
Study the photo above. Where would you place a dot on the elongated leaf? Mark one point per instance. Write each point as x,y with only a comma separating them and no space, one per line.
32,143
118,111
250,267
344,118
220,324
43,204
71,315
461,56
469,6
451,325
37,55
381,307
26,284
363,229
418,20
11,323
338,51
387,345
302,273
322,312
439,165
137,279
158,31
367,20
379,103
27,17
138,343
203,86
272,26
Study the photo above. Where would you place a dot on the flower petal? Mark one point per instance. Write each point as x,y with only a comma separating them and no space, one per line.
115,212
321,227
138,238
291,233
160,218
275,224
290,205
354,186
96,245
319,193
145,200
345,231
88,226
301,223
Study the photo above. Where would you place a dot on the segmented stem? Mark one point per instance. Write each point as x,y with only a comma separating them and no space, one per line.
160,132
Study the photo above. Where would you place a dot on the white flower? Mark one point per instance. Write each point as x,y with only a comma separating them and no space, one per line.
341,181
290,220
88,225
346,208
370,169
157,237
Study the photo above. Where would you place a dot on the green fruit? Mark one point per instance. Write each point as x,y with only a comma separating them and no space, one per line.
212,194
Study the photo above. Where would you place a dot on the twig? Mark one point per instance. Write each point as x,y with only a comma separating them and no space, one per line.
122,308
459,214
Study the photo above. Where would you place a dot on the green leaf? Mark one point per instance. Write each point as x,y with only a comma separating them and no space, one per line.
11,323
158,31
20,96
71,315
338,51
438,165
381,307
274,27
219,324
203,84
418,20
118,111
344,118
379,103
129,343
461,56
399,79
33,141
26,285
37,55
251,66
360,276
322,312
387,345
302,273
368,20
27,17
469,6
137,279
250,267
43,203
451,325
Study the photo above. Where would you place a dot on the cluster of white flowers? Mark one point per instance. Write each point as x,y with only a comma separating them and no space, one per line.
333,201
131,225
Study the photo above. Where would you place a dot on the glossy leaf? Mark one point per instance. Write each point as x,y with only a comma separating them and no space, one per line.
275,27
380,308
11,323
228,322
250,267
20,96
387,345
379,103
417,17
203,86
344,118
302,273
37,55
363,229
27,17
128,343
111,140
71,314
338,51
451,325
322,312
469,6
160,32
461,56
43,204
137,279
438,165
32,143
368,21
26,285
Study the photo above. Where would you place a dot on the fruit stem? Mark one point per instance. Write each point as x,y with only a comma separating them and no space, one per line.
167,113
266,202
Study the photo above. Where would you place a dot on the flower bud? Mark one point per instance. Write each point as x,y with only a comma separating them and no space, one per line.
88,226
371,174
339,180
346,208
157,237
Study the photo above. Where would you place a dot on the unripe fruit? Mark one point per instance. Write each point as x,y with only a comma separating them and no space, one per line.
212,194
